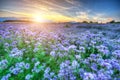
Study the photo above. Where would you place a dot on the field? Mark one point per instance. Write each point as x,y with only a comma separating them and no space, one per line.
34,51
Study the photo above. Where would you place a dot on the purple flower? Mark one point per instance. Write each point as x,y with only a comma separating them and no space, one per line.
52,73
116,53
72,47
94,66
16,53
15,71
82,49
46,76
28,77
6,44
52,53
37,63
89,76
27,66
107,65
35,49
47,70
116,65
78,57
75,64
103,49
6,77
3,64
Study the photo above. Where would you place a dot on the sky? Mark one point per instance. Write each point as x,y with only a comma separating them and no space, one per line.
62,10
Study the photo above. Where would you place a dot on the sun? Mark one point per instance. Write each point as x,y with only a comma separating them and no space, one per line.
38,18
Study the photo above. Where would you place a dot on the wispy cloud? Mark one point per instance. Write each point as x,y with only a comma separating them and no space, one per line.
73,2
15,13
77,10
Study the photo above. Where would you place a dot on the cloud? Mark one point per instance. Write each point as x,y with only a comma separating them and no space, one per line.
82,15
50,4
101,17
12,13
52,9
71,1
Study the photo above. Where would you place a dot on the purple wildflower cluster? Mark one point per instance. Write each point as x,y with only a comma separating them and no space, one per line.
49,52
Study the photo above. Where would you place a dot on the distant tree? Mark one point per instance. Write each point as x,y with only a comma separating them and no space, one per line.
84,22
96,22
16,21
113,21
90,22
117,22
67,26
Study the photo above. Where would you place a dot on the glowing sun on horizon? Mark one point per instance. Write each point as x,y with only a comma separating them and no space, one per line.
38,18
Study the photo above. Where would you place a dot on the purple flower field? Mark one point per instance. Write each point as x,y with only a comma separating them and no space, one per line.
54,51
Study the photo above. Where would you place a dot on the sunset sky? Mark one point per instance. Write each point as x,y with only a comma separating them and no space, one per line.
62,10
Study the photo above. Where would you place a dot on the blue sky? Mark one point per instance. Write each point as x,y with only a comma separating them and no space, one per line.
62,10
